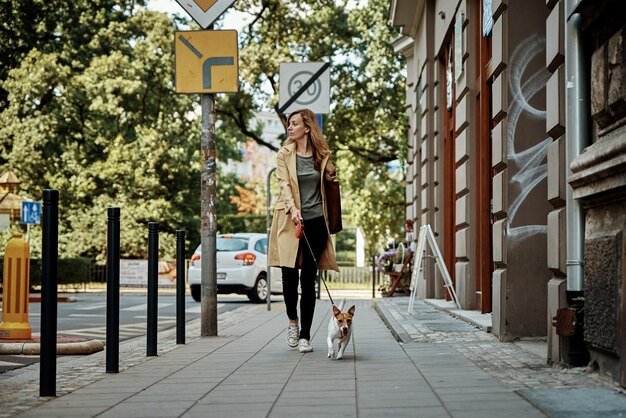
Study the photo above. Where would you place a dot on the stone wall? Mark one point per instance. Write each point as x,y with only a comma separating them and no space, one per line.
599,180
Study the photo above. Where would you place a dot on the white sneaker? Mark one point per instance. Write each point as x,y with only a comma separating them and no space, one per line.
304,346
292,335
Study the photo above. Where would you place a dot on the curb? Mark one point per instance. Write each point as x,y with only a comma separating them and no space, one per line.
471,317
82,347
394,326
37,299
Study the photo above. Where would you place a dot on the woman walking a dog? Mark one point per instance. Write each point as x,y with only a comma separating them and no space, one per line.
302,164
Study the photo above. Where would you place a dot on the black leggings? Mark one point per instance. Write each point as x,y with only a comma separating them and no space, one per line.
317,234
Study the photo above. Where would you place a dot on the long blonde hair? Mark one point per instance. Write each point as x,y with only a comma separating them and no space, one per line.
316,138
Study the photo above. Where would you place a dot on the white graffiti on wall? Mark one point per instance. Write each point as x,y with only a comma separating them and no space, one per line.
530,163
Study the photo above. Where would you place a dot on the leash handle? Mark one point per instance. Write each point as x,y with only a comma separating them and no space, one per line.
318,266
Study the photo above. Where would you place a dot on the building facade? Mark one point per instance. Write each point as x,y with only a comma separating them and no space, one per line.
518,177
256,169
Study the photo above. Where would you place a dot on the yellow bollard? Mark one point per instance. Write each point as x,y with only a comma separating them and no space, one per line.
14,325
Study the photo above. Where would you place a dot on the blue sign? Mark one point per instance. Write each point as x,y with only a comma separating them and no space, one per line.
319,120
31,212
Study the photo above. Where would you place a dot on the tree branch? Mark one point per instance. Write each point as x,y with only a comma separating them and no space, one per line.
258,16
241,124
369,155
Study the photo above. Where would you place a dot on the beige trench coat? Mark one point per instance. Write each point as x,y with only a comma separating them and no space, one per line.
283,245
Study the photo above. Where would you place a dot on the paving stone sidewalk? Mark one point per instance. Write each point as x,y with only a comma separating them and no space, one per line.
19,388
443,367
249,371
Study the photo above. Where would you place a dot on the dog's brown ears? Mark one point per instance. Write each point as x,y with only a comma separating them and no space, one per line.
336,311
351,310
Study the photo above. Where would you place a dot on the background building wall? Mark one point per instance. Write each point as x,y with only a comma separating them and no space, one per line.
465,155
519,187
519,153
555,129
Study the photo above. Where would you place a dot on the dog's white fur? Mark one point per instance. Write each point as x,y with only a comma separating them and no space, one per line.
339,329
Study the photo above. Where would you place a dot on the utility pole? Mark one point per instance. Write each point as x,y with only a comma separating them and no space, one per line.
198,55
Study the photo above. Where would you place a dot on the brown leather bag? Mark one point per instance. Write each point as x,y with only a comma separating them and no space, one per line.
333,206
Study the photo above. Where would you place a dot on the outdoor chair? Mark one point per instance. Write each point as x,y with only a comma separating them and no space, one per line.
395,277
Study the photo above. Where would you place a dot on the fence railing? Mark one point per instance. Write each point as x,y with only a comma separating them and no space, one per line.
97,274
351,275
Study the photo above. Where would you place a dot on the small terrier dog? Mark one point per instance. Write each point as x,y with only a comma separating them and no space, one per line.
339,329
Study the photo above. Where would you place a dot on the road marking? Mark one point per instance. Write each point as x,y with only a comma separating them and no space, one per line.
144,307
8,363
198,308
126,331
161,317
91,307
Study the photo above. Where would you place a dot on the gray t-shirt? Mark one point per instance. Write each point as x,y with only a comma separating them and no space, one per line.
309,183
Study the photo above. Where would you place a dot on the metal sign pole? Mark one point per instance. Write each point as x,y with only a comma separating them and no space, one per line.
208,219
202,59
269,225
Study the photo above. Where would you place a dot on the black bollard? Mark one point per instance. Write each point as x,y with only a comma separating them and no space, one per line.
49,260
153,287
113,291
180,287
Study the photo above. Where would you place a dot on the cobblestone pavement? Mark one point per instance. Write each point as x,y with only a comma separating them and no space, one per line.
19,388
514,364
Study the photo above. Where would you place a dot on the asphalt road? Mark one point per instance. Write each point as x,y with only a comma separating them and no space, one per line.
86,317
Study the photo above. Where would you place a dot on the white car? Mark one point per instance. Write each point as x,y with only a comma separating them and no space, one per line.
241,267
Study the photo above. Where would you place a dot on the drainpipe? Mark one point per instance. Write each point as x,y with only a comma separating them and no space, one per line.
576,130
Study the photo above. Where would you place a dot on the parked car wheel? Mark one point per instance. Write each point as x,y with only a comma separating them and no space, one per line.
258,293
195,293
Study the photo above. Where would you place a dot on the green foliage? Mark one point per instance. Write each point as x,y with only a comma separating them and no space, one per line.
93,114
227,187
70,271
366,127
232,223
346,240
346,258
345,247
54,27
87,106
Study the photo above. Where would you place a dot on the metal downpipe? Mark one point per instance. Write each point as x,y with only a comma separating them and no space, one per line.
576,130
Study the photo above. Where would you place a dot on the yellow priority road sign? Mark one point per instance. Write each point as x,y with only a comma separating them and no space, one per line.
207,61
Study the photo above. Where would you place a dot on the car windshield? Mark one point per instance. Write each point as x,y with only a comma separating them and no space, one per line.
231,244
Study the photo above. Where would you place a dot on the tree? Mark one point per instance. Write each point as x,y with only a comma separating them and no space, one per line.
87,106
366,128
91,111
54,26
